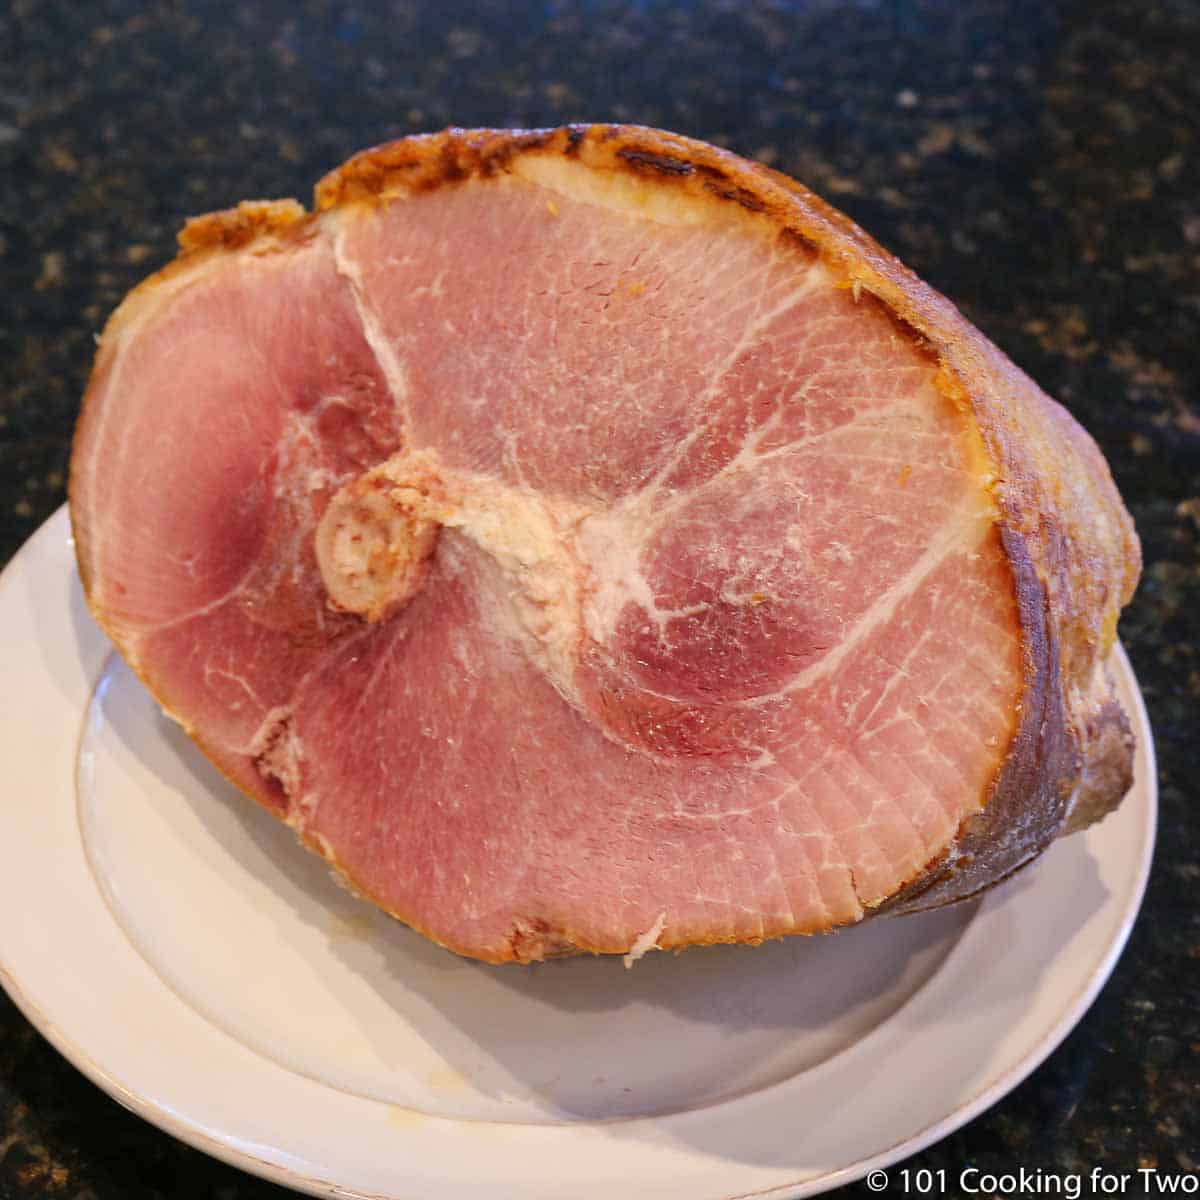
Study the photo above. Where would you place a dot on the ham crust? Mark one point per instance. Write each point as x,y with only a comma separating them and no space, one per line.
1069,542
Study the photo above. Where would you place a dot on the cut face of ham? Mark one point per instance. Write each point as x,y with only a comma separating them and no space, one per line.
589,541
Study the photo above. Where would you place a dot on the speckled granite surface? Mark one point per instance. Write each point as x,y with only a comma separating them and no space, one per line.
1038,161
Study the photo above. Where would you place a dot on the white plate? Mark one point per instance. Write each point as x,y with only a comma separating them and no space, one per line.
185,953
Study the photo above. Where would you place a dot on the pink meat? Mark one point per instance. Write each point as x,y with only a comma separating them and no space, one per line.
561,571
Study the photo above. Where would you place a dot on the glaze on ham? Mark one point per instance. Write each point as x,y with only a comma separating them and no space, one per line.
587,540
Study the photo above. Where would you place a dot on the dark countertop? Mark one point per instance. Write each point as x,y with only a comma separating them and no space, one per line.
1038,161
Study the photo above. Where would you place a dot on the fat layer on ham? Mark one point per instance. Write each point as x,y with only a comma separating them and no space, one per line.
587,540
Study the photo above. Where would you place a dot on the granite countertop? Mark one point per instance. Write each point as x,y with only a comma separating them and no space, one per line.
1038,161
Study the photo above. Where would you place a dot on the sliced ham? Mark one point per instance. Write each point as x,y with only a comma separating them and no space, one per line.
589,541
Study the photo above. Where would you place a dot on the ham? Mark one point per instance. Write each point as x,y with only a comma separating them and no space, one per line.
587,540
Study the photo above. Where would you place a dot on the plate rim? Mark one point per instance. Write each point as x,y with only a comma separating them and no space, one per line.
56,529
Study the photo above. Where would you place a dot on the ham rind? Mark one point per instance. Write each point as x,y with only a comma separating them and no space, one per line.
587,540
